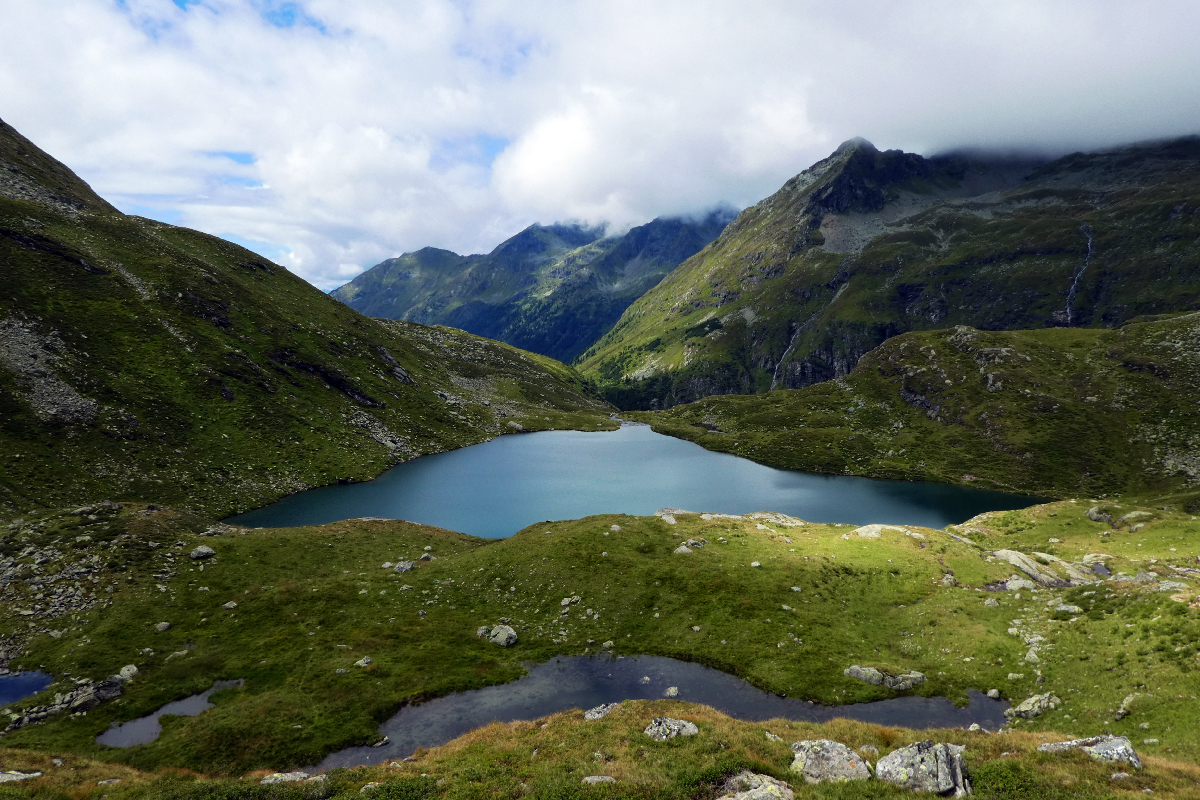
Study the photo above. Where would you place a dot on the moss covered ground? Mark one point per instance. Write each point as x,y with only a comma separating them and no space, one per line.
312,601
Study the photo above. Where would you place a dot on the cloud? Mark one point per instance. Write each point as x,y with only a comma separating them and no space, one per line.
330,134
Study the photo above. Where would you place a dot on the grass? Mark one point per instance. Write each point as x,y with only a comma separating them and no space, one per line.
314,600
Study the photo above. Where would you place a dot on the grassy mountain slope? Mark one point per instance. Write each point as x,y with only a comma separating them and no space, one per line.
1060,411
549,289
138,359
866,245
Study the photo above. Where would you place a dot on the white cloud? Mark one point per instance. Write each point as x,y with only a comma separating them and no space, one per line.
376,127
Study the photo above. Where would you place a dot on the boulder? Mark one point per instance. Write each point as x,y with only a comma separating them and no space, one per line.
991,602
898,683
821,760
592,780
926,767
600,712
363,662
230,606
1067,609
403,566
284,777
683,550
1017,584
1124,711
1034,706
203,551
1097,514
10,776
747,785
503,635
1110,749
662,728
162,627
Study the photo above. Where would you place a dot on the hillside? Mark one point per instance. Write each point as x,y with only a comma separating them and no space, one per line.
550,289
1066,412
139,359
866,245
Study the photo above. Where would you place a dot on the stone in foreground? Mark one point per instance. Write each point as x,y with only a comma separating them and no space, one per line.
600,712
1111,749
9,776
503,635
747,785
1034,706
663,728
822,760
592,780
926,767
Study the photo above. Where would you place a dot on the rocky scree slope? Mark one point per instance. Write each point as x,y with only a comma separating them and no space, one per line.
139,359
1059,411
866,245
551,289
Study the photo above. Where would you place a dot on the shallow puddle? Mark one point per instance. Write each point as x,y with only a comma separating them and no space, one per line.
18,685
585,682
144,730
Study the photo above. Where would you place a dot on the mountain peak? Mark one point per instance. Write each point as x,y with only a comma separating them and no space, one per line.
857,143
29,173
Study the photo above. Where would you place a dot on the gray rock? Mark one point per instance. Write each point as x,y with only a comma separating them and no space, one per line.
865,674
926,767
284,777
128,672
822,760
162,627
672,691
897,683
683,550
483,631
362,662
10,776
1124,711
993,693
426,557
1110,749
592,780
1034,706
747,785
662,728
1066,609
991,602
404,566
1017,584
503,635
203,551
600,712
1096,514
230,606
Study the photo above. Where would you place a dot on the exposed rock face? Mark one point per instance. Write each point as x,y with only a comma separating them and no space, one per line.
747,785
31,356
898,683
1034,706
662,728
85,698
1029,567
1111,749
503,635
926,767
821,760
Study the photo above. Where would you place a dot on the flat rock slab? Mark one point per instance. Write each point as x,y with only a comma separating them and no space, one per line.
822,760
926,767
662,728
1111,749
285,777
600,712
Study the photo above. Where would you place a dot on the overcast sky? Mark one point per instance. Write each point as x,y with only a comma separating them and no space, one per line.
331,134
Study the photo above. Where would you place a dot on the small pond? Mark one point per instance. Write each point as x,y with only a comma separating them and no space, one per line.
588,681
496,488
16,686
144,730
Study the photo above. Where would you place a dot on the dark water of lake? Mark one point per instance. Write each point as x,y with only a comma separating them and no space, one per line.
496,488
18,685
144,730
588,681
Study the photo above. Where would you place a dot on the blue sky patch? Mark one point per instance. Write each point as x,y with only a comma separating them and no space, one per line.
479,150
241,158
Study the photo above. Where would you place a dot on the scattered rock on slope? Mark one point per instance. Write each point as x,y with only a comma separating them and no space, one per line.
821,760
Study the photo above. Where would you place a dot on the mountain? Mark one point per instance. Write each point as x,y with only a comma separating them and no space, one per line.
552,289
865,245
1068,412
139,359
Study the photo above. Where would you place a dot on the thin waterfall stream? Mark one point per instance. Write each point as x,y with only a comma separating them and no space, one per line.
1087,231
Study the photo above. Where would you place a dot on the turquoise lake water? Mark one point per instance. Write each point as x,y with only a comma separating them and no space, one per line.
497,488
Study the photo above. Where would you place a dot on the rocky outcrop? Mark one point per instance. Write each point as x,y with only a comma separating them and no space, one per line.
503,635
822,760
926,767
1033,706
84,698
1110,749
898,683
662,728
600,712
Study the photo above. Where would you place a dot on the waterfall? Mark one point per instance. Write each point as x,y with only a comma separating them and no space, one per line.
1087,231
